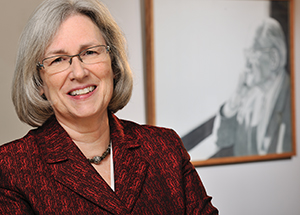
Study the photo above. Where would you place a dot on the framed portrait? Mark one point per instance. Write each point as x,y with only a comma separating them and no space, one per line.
221,74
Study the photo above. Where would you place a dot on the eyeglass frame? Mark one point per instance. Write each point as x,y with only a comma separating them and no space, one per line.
249,52
41,65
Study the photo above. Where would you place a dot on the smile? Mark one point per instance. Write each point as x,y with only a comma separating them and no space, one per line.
82,91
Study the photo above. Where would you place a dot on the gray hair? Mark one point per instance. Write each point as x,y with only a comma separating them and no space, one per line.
30,106
271,33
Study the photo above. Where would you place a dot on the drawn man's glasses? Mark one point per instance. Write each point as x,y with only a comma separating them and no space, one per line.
255,53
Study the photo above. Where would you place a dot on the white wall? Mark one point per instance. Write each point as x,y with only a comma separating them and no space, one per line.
271,187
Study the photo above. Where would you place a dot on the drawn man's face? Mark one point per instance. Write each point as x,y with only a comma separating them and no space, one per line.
258,62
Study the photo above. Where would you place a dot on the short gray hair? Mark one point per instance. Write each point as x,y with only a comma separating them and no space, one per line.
30,106
270,31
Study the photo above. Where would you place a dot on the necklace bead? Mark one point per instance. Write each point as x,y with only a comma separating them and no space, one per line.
97,159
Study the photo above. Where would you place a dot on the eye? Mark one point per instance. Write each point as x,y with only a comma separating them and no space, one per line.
90,52
57,60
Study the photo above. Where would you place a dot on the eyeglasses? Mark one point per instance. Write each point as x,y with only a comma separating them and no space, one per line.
58,63
255,53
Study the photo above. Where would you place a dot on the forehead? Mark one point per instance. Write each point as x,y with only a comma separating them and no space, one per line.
75,31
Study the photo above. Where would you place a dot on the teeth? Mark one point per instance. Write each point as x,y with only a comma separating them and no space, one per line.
82,91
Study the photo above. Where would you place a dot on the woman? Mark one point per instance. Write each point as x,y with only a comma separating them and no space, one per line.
71,75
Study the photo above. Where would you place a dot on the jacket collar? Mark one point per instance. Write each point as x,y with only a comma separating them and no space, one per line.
69,166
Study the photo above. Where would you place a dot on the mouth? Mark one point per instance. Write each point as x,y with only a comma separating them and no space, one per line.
82,91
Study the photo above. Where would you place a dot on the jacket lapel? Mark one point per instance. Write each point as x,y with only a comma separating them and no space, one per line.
130,167
69,167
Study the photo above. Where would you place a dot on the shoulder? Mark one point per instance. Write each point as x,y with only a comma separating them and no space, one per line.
151,140
17,153
149,131
156,139
19,145
161,147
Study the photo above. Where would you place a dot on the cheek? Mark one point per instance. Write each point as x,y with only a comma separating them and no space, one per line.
109,82
264,68
51,86
104,72
257,75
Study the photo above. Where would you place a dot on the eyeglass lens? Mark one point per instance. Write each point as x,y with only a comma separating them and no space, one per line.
91,55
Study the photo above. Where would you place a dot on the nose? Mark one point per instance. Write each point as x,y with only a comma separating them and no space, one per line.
77,69
71,58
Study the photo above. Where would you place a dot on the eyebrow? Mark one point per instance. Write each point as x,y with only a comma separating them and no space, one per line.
64,52
56,52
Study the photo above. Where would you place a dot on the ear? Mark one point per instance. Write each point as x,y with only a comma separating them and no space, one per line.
41,90
42,93
274,59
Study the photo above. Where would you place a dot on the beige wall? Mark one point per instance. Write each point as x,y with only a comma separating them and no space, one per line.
250,189
13,17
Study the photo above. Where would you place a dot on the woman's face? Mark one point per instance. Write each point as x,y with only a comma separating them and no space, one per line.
81,91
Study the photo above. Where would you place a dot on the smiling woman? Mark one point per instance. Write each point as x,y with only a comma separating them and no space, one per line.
37,35
71,76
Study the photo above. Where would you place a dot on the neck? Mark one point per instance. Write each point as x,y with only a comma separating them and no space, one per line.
91,136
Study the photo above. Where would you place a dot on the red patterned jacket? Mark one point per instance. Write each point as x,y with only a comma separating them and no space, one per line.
45,173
